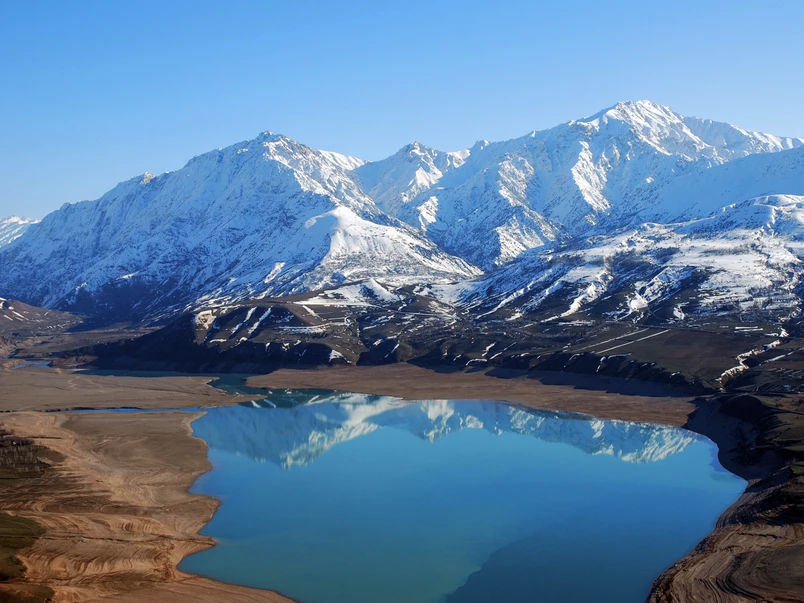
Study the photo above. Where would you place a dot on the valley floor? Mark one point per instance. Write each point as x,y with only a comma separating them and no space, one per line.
118,515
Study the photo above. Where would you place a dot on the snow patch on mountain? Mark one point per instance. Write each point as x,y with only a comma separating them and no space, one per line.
699,194
590,209
746,257
14,227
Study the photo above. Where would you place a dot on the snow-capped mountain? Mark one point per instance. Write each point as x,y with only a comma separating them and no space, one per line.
14,227
267,216
699,194
506,197
745,258
272,216
726,240
396,181
298,436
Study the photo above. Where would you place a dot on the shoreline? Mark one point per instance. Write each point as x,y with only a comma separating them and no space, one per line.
683,581
119,521
115,501
410,383
754,549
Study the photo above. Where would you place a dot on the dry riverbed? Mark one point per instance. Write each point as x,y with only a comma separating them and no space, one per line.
118,516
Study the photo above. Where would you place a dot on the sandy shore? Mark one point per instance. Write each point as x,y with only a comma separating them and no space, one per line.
55,389
115,504
410,382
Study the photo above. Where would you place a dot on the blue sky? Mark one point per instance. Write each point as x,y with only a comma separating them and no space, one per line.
96,92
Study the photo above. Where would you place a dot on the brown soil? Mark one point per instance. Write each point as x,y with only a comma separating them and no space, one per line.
115,505
49,389
410,382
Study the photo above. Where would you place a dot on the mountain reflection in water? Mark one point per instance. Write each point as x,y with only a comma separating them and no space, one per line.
349,498
300,434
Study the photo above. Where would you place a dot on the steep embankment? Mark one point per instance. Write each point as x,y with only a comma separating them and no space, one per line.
756,552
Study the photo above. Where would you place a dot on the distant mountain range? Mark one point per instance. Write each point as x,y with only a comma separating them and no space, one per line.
616,213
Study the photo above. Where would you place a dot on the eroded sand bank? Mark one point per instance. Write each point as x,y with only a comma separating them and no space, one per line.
115,504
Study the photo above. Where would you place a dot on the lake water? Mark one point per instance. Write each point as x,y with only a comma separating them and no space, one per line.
347,498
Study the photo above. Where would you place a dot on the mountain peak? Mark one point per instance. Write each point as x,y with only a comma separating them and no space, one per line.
642,113
272,215
640,105
416,148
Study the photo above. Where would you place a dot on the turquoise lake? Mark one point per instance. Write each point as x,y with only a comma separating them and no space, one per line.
348,498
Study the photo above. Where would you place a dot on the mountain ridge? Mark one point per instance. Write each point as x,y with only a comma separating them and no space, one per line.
272,216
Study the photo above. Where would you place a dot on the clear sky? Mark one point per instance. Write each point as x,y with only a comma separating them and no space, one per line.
95,92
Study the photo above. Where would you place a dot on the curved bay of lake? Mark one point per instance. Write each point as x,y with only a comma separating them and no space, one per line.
349,498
